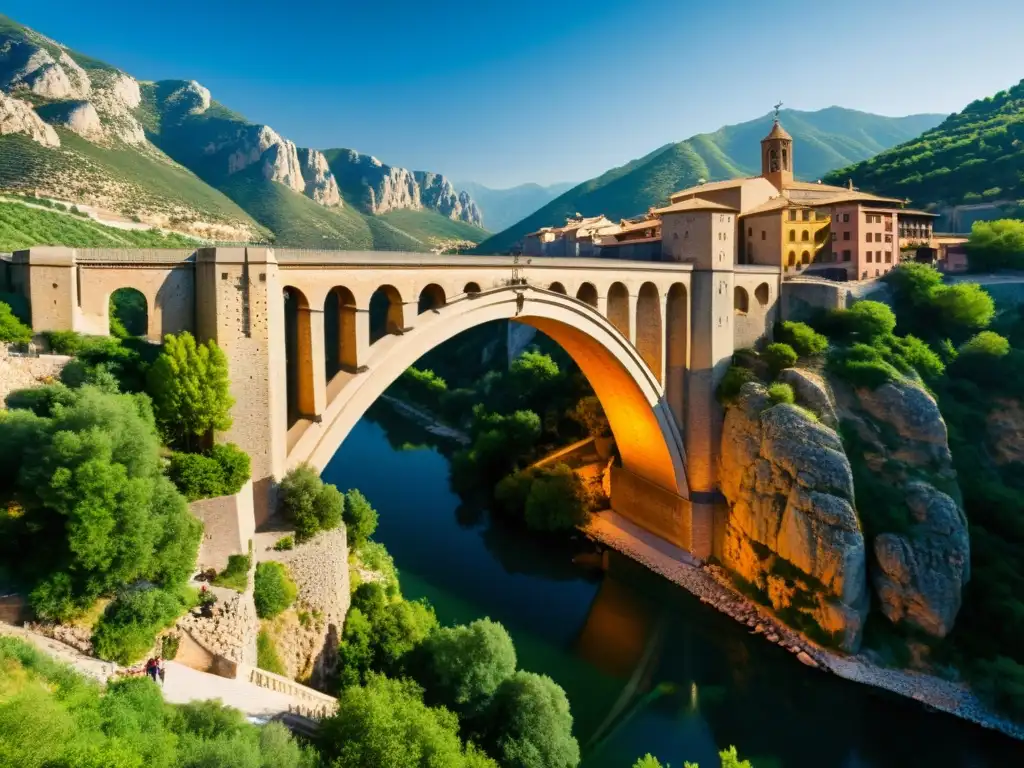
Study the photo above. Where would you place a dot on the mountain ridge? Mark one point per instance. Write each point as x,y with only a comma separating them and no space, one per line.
502,208
729,152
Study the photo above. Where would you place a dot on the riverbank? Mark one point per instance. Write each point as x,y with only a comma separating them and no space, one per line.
710,584
427,420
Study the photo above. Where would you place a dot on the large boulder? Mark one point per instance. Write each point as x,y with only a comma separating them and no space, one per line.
791,530
79,117
913,417
920,575
812,392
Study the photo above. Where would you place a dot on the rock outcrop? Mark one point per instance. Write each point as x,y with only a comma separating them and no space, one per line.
920,575
278,158
812,392
320,183
792,532
379,188
24,65
921,547
1004,428
79,117
17,116
188,98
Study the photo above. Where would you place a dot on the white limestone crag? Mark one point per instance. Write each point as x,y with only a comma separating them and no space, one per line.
24,65
321,186
82,118
17,116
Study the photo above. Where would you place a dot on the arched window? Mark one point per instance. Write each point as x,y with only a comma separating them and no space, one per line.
740,300
431,297
805,257
785,159
557,288
762,294
792,259
792,235
471,288
805,235
587,294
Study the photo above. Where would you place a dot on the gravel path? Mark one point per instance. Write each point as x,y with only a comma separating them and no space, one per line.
710,585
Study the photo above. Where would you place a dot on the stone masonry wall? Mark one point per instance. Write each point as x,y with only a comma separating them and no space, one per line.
228,525
23,372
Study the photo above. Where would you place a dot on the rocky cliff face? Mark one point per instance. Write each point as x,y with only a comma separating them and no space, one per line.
380,188
320,183
896,440
792,532
33,68
17,116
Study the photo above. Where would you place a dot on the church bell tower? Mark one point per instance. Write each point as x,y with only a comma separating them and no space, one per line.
777,155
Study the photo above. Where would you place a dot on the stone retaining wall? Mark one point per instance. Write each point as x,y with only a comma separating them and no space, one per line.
228,526
21,372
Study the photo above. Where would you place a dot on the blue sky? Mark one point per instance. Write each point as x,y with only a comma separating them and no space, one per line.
544,90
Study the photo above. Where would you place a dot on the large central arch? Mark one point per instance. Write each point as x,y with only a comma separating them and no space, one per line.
645,429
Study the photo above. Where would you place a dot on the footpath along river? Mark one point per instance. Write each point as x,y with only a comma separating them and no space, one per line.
646,666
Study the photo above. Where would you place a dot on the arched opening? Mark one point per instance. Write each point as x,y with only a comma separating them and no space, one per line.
785,159
340,337
805,235
792,235
618,308
298,352
740,300
762,293
386,312
791,259
805,257
129,313
431,297
648,327
471,289
587,294
677,340
557,288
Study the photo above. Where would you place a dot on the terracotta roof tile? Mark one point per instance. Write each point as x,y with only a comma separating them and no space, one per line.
694,204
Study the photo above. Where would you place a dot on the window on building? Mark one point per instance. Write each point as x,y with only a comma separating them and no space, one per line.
868,237
846,255
835,256
792,259
821,215
805,235
792,214
763,234
805,257
868,256
878,237
876,273
750,231
888,257
846,217
846,235
792,235
888,238
833,237
807,214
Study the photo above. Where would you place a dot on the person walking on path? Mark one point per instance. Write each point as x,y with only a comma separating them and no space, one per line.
152,668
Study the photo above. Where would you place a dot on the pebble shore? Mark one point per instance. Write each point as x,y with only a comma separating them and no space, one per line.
711,585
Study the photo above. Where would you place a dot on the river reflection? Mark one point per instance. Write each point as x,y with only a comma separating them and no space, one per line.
646,666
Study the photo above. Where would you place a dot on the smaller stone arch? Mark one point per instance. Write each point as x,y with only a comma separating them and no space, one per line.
341,337
387,314
649,327
618,307
587,294
129,312
300,388
557,288
762,293
740,300
431,297
471,289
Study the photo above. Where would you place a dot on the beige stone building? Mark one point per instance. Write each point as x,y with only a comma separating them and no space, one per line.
577,237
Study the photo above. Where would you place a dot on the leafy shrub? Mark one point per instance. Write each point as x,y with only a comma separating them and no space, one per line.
550,498
273,590
266,654
12,330
422,386
870,319
780,393
284,543
310,504
802,338
360,518
169,646
128,628
733,380
41,400
375,557
220,473
236,574
589,414
987,343
862,366
779,356
911,353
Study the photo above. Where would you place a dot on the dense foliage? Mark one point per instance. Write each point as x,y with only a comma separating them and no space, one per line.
310,504
273,589
52,716
996,245
803,339
779,356
190,388
222,471
12,330
728,757
128,627
87,507
548,498
973,156
359,517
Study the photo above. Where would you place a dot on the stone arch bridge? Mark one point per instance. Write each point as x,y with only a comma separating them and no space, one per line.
653,339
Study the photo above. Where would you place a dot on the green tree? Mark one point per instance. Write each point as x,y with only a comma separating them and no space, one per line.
356,649
963,308
273,589
870,319
589,414
12,330
360,519
386,723
529,724
128,627
308,503
463,666
779,356
534,376
996,245
802,338
557,501
190,387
